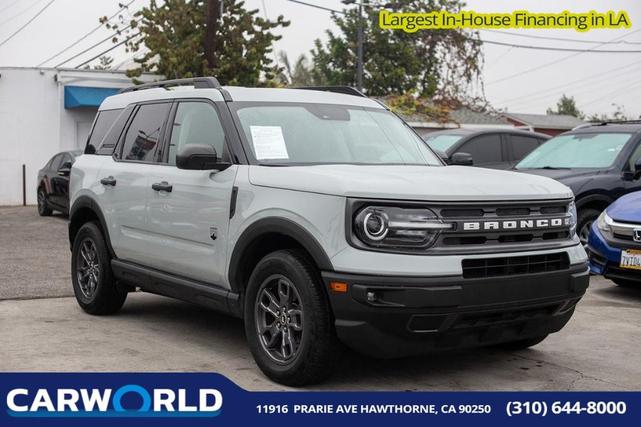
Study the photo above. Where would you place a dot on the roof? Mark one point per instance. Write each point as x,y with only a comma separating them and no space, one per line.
470,131
610,127
470,117
239,94
546,121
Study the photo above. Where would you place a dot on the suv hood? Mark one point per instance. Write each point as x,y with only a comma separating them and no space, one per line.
431,183
562,174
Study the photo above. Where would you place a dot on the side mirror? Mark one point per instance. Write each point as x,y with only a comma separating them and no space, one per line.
65,169
462,159
442,155
199,157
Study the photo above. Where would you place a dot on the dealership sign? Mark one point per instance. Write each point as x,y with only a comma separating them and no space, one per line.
208,399
107,402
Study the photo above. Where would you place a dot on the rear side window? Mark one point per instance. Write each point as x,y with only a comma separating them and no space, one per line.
484,149
523,145
104,121
143,135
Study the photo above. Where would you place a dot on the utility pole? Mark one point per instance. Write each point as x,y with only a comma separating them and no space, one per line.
213,13
359,48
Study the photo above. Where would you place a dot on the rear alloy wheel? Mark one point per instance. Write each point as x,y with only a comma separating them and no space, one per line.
288,321
43,208
93,282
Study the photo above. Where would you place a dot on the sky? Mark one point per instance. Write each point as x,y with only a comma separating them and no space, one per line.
516,79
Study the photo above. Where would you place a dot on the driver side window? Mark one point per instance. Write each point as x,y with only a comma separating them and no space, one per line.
196,123
636,154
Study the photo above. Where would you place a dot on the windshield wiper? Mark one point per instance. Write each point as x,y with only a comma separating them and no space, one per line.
550,167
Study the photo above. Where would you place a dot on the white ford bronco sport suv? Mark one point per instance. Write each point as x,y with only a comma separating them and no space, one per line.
320,218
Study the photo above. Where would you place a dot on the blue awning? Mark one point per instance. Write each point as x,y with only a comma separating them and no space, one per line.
81,96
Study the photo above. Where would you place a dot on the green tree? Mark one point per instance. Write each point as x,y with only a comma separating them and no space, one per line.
300,74
174,35
617,115
566,105
432,63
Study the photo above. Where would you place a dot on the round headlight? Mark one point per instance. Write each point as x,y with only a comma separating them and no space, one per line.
375,225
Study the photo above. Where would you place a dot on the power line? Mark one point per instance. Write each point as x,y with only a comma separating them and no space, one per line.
108,50
27,23
558,49
15,15
554,89
327,9
555,62
111,36
532,36
86,35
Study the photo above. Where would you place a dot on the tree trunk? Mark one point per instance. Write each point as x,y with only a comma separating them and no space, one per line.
212,15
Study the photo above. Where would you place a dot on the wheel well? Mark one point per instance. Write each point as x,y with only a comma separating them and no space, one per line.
79,218
599,205
258,248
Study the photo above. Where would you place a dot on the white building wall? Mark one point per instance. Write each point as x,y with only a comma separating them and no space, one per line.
34,125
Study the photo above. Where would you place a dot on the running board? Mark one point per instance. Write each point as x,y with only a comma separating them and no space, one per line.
169,285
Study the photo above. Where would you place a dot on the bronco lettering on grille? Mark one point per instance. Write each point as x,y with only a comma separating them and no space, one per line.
523,224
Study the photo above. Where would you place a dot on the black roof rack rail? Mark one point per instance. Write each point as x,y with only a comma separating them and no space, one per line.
345,90
616,122
196,82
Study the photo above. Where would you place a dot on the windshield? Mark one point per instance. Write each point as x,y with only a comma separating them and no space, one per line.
330,134
442,142
585,150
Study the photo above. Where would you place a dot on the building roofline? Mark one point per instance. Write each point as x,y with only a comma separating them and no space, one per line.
77,70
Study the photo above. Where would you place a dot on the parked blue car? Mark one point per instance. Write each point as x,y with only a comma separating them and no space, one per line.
614,245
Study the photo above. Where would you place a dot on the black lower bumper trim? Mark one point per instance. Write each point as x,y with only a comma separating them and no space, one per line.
398,316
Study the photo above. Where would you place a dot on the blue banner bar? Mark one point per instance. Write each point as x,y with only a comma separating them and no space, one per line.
171,399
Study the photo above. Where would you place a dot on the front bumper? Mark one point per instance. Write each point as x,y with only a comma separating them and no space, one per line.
605,257
386,316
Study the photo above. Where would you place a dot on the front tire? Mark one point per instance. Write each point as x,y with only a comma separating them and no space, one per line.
584,223
627,283
288,321
91,275
43,207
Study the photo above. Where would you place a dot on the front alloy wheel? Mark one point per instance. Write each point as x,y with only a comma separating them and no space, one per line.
279,318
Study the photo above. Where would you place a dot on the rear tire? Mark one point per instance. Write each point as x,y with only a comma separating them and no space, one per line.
288,321
522,344
43,208
584,222
91,275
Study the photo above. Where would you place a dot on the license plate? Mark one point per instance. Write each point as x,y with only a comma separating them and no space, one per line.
630,259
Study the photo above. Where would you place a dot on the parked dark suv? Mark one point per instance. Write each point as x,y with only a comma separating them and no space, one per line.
53,183
599,162
488,148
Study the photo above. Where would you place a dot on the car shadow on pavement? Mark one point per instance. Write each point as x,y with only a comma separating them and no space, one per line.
222,337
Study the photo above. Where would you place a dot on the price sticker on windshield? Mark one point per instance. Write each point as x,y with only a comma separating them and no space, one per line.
630,259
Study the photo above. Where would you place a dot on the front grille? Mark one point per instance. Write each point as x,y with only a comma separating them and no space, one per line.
510,266
470,240
474,320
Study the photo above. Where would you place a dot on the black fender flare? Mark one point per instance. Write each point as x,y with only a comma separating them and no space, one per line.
87,202
282,226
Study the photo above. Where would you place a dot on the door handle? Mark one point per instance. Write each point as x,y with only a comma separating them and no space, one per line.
162,186
110,180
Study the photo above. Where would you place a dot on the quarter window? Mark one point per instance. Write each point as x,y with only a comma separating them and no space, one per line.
196,123
143,135
104,121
